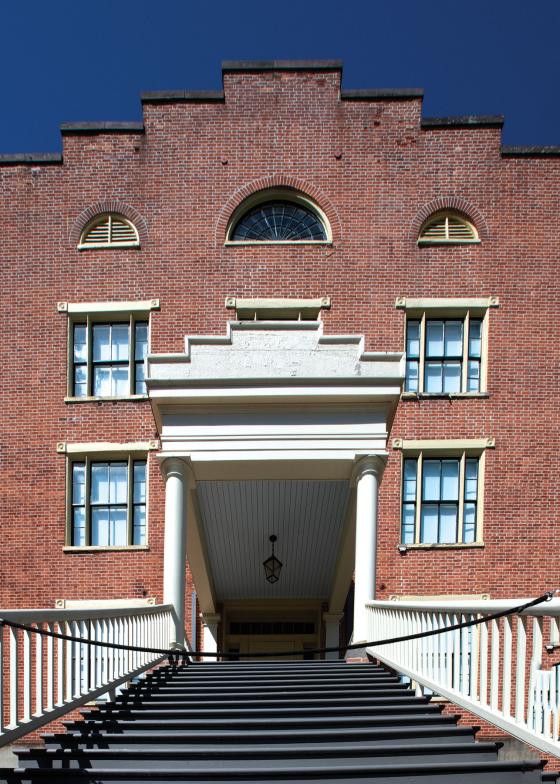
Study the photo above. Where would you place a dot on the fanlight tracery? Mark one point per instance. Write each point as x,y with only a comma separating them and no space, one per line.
279,221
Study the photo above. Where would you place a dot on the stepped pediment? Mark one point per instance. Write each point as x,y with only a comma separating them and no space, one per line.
275,352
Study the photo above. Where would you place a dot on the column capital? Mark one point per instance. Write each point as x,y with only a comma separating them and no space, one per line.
210,618
368,464
174,465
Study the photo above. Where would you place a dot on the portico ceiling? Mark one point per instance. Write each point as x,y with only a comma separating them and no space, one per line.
237,518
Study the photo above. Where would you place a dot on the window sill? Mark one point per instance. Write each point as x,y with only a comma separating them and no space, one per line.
442,546
436,243
442,395
113,399
233,243
101,549
108,245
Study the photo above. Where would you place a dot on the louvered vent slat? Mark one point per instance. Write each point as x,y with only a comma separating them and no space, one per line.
448,228
122,232
110,230
460,229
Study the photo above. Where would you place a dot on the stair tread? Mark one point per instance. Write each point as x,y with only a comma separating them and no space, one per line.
261,723
248,750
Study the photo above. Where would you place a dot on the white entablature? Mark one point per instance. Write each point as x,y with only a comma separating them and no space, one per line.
274,390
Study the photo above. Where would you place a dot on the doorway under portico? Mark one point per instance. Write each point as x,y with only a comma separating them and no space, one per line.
273,429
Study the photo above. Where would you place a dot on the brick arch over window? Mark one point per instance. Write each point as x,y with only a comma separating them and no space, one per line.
454,204
103,207
280,182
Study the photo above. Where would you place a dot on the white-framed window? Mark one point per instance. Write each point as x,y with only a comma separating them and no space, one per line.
447,228
108,358
107,501
442,492
449,351
446,345
107,347
109,230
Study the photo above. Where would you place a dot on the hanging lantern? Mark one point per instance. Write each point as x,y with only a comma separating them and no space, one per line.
272,566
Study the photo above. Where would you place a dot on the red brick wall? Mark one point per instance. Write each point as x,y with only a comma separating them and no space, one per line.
183,176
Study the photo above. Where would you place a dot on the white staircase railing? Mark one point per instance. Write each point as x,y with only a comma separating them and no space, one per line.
494,669
42,677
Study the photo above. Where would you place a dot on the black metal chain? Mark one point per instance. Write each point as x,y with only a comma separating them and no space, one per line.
182,653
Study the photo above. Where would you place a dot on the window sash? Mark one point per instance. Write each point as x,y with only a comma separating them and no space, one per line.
444,355
440,499
107,358
107,502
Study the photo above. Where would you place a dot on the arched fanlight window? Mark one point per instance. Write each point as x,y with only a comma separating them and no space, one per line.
447,228
283,219
110,230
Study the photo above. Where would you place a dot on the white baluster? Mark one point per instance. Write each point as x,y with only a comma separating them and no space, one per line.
484,663
456,653
50,669
27,676
506,668
68,664
14,681
39,673
465,659
534,712
495,665
520,669
77,660
474,660
85,656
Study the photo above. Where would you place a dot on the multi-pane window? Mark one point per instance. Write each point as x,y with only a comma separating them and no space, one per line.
444,355
108,358
440,499
108,503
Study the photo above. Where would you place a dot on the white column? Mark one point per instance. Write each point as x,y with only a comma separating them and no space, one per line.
368,473
210,623
177,473
332,634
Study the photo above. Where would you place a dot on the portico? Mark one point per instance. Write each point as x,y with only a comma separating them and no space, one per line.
274,428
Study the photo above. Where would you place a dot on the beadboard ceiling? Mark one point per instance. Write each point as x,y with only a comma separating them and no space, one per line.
239,516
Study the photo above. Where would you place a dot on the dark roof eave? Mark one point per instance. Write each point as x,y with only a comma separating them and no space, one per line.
30,158
101,127
389,94
183,96
530,152
256,66
466,121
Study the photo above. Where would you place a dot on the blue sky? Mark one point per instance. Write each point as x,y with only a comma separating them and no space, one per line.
69,60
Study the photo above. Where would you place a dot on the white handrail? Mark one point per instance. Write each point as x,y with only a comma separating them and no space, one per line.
487,668
47,677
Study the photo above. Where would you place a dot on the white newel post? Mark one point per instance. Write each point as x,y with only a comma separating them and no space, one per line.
210,623
177,474
332,633
368,473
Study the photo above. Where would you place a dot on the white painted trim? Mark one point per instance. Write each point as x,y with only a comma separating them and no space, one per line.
470,606
97,604
101,446
277,303
141,306
94,399
447,303
102,549
444,444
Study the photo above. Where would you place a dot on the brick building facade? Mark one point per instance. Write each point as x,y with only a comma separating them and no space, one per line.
375,173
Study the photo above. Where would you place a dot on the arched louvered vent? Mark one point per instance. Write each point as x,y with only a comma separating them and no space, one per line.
279,221
447,228
107,231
